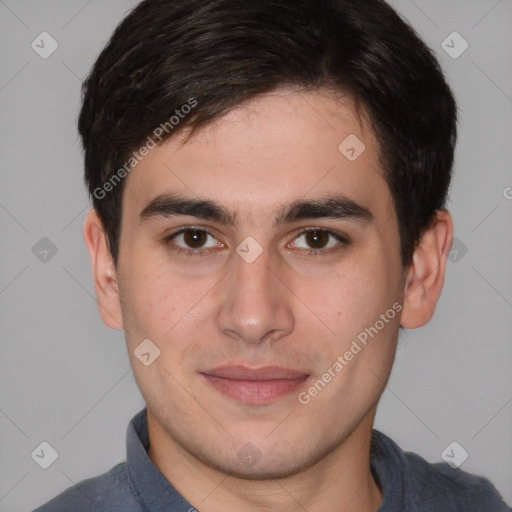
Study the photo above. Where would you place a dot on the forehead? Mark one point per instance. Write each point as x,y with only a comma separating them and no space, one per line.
268,152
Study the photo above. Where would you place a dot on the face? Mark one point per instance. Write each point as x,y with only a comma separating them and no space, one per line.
257,257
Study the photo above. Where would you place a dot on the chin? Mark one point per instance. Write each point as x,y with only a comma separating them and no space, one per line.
268,471
275,461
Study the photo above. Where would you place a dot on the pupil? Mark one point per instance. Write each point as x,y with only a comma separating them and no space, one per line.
194,238
317,239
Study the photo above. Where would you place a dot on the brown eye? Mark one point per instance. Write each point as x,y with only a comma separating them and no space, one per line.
317,239
320,241
195,238
193,242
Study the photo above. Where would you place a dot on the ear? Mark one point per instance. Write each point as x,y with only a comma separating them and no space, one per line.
103,270
425,275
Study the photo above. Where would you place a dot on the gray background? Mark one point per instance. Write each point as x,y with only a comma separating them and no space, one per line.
65,378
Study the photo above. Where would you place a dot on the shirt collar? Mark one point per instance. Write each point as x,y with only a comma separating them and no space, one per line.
387,462
153,490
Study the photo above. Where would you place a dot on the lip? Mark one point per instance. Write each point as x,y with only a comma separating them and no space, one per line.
254,385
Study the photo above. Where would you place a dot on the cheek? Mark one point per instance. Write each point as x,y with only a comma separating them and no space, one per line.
340,307
161,305
348,296
147,299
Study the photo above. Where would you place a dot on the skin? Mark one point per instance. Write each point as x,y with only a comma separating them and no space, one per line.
288,308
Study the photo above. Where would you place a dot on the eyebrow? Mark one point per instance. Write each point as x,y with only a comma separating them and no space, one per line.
331,207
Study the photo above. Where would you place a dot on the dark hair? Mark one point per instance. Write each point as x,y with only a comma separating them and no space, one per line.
216,54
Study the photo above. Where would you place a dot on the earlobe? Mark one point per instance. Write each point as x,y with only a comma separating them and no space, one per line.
425,275
103,270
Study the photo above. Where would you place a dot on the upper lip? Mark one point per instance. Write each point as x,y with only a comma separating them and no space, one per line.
263,373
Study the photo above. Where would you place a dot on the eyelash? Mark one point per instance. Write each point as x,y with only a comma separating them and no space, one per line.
344,241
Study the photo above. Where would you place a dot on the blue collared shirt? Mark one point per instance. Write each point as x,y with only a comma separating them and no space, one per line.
408,483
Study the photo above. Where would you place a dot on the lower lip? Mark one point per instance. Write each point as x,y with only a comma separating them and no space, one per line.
255,391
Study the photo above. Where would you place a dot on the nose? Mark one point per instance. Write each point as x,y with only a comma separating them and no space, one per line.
256,305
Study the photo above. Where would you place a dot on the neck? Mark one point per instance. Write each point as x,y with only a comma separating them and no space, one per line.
341,480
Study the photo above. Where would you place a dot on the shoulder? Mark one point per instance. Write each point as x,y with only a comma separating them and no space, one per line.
110,491
440,486
413,484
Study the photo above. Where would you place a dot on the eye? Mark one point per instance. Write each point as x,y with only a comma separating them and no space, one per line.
192,241
320,241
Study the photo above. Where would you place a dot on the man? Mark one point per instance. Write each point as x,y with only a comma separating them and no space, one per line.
268,180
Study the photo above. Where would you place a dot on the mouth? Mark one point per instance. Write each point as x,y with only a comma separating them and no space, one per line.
254,386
